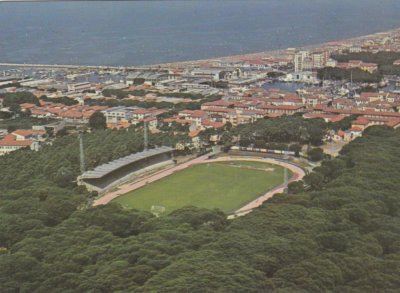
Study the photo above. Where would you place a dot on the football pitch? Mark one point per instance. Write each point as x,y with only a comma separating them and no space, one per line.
224,185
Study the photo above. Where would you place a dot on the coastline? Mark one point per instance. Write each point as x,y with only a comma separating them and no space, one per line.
264,54
207,61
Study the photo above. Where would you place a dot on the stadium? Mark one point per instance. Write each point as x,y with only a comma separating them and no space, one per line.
231,184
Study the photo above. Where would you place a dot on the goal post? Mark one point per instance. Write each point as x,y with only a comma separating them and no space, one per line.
157,210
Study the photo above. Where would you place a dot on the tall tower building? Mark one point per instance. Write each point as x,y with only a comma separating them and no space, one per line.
319,59
299,59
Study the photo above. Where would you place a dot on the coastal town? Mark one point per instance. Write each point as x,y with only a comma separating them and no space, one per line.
200,146
331,81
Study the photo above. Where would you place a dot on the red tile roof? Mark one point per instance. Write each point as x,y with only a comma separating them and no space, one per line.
148,119
23,132
222,110
194,133
361,121
177,120
87,114
27,106
10,140
219,103
329,117
355,129
197,113
393,122
281,107
213,124
71,114
38,112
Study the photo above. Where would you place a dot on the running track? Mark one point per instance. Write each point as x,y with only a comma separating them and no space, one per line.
298,174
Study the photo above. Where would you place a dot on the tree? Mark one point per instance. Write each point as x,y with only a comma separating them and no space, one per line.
98,121
343,124
20,98
296,187
357,74
11,128
226,140
64,177
315,154
340,236
296,148
62,100
26,113
314,180
50,131
333,240
15,108
5,115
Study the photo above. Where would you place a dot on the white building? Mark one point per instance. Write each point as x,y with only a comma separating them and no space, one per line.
16,141
213,74
355,49
149,77
306,77
319,59
331,63
79,87
299,59
118,114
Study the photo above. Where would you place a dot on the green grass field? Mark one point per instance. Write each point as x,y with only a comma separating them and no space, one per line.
224,185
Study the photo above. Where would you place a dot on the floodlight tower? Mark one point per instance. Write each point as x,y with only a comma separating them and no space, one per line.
285,180
285,175
81,153
146,137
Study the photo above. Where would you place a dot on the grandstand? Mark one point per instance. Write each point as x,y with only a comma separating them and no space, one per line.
109,175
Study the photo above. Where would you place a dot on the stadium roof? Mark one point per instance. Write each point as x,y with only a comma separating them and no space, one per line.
107,168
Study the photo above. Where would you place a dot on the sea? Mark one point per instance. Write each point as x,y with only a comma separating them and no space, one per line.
152,32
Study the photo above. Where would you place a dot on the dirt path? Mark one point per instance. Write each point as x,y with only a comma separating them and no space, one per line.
248,167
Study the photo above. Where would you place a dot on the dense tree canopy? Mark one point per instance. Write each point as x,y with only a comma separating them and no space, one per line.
380,58
340,235
315,154
23,122
287,129
356,74
383,59
19,98
121,94
62,100
193,105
